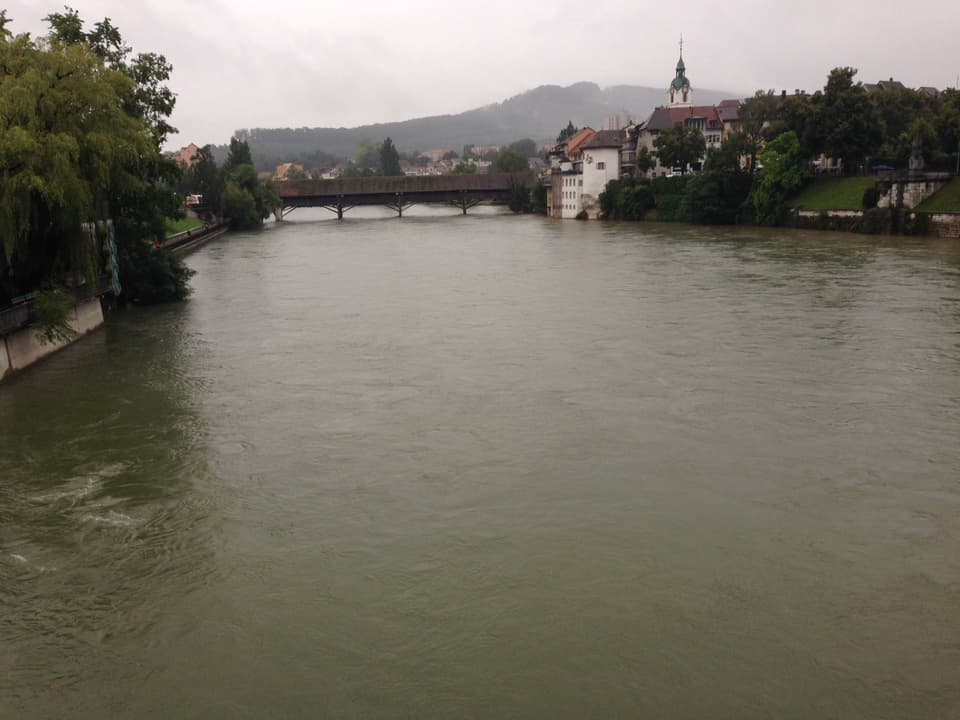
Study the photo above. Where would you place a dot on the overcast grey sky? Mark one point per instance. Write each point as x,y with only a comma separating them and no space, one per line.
246,63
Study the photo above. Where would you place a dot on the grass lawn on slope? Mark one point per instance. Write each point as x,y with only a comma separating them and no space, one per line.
182,225
833,194
947,199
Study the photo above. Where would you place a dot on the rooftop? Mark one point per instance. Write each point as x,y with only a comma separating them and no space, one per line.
576,142
604,139
664,118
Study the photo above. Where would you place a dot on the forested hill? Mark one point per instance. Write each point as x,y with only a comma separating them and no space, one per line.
539,114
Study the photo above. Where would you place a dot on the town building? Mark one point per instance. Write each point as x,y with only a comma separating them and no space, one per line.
581,167
729,114
892,84
289,171
566,175
600,163
186,156
715,122
436,154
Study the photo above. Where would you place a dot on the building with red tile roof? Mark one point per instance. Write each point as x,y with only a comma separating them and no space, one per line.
186,156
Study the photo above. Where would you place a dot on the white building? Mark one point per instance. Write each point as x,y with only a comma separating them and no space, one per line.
600,156
571,188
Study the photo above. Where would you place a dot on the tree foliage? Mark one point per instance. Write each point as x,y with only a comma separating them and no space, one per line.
203,177
389,159
525,148
645,160
247,200
464,167
785,170
509,160
81,125
568,132
539,198
520,197
626,199
717,195
680,146
845,124
757,114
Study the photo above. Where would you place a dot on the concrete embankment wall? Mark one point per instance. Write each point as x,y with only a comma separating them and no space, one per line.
837,220
880,221
23,348
945,225
908,193
190,240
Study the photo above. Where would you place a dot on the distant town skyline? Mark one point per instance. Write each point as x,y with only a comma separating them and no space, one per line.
240,64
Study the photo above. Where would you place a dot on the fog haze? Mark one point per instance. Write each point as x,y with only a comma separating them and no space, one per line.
252,64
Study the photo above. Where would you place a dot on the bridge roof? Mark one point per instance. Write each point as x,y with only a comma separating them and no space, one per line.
406,184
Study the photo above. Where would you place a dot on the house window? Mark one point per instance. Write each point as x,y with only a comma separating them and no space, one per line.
601,166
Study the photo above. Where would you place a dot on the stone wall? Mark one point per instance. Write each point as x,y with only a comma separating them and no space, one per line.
23,348
945,225
915,191
872,222
838,220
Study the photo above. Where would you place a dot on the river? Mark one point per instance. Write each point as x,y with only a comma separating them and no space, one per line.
496,467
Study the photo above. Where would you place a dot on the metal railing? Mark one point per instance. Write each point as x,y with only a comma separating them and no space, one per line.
14,318
17,316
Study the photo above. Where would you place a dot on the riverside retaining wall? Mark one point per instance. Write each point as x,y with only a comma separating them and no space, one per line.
909,192
945,225
22,348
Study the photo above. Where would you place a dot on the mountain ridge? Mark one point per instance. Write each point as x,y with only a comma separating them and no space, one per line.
538,113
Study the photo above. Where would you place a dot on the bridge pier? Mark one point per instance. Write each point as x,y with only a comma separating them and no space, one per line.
399,205
465,202
337,207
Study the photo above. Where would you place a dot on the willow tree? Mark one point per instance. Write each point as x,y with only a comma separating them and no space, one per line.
81,124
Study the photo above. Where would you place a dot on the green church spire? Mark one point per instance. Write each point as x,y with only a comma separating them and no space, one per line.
680,90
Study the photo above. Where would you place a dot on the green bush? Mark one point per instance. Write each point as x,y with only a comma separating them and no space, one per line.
539,199
669,208
917,224
670,185
151,275
870,197
876,221
715,197
50,312
519,201
626,199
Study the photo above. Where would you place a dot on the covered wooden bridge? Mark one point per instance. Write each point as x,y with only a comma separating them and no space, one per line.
399,193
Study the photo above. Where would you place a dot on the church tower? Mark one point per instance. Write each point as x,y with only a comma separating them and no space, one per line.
680,94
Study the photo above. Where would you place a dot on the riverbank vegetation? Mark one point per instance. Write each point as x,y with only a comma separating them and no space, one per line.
233,193
173,227
774,162
82,122
842,193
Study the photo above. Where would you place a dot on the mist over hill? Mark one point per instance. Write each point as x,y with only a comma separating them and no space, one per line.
538,114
